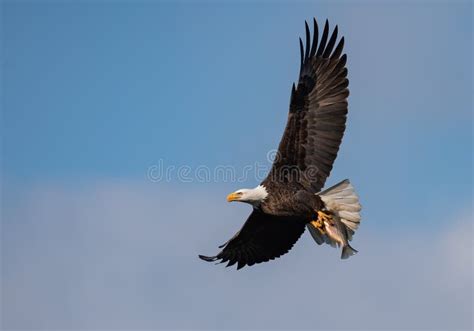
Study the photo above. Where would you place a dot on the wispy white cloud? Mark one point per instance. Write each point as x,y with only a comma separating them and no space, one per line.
124,255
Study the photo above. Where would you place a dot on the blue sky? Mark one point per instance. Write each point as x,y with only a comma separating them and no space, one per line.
94,93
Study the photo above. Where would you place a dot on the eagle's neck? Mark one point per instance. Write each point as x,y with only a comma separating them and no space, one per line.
257,195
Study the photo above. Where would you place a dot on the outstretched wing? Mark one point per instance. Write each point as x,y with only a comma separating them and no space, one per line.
317,116
262,238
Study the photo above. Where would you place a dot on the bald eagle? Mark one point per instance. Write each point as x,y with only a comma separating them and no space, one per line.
290,198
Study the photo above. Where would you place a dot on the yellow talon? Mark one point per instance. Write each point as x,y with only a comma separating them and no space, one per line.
318,224
322,216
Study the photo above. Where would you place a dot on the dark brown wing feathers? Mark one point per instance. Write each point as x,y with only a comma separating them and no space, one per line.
262,238
318,109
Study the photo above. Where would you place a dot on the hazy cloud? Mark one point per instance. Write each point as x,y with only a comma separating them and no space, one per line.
124,256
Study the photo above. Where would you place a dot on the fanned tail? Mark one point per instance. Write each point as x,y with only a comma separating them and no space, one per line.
342,201
342,204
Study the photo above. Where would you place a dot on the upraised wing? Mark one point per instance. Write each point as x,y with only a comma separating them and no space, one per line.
262,238
317,115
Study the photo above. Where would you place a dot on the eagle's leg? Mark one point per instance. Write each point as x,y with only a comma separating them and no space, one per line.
318,225
319,222
324,216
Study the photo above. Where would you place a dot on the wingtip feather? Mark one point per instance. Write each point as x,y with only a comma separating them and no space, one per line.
315,38
308,46
208,258
301,54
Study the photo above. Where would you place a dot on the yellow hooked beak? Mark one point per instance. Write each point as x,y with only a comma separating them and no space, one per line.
233,197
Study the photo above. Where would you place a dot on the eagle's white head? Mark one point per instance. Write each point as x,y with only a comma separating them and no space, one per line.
253,196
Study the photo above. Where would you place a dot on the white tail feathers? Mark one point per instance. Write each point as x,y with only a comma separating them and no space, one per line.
342,200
